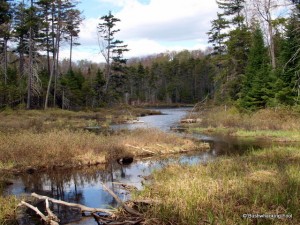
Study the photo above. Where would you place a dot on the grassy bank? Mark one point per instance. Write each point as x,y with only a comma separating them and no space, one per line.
55,138
72,148
221,192
43,120
275,124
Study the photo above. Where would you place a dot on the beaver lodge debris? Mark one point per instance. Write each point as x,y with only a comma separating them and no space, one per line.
102,216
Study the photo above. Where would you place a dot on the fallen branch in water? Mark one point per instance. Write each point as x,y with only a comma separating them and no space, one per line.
128,209
51,219
127,216
83,208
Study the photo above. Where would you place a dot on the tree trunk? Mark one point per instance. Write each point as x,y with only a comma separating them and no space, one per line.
108,64
30,74
5,61
71,48
21,55
56,70
272,47
55,40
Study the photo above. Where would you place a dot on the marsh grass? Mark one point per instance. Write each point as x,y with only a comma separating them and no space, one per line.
67,147
7,210
43,120
264,119
275,135
277,124
262,182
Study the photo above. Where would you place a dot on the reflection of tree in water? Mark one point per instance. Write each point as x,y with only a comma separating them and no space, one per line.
68,185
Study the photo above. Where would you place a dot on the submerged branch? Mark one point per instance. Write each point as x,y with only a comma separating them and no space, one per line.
127,208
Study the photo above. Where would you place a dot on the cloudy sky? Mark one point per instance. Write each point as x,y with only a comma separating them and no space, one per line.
147,26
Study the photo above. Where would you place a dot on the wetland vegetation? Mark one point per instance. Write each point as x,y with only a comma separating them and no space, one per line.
250,77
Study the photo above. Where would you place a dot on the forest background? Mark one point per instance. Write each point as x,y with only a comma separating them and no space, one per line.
253,61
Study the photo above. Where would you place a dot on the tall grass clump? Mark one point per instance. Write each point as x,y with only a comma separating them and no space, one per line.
55,147
221,192
7,210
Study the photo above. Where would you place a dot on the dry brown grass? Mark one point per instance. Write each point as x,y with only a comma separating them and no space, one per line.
221,192
71,148
264,119
276,124
43,120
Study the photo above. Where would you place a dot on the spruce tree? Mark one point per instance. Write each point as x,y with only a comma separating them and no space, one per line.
288,83
255,91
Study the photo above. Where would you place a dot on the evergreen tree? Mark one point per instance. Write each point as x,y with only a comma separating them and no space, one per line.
6,15
112,49
217,36
256,87
288,83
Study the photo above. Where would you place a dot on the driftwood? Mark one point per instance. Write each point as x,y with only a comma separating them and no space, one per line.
191,120
130,216
51,219
83,208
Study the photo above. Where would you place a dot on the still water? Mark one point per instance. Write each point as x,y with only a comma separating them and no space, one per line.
84,185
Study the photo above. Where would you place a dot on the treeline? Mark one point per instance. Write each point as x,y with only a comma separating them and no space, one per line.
254,62
172,77
256,53
31,36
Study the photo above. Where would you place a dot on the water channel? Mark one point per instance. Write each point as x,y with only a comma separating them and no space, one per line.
84,185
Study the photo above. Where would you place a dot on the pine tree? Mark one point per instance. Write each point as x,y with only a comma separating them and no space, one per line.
217,36
112,49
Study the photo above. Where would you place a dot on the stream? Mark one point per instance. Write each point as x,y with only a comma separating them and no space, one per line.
83,185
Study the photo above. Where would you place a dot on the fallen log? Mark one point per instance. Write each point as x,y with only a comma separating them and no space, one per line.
51,219
82,208
51,215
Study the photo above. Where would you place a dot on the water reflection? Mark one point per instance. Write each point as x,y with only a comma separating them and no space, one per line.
83,186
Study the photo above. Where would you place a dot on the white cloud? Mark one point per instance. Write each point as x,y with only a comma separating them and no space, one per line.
155,27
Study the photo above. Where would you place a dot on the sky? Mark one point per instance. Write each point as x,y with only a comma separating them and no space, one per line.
147,26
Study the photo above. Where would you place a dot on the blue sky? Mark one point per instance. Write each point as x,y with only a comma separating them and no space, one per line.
147,26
